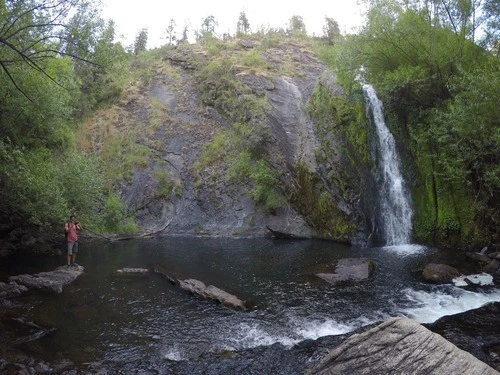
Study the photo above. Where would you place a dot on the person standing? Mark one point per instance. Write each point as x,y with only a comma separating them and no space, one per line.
71,228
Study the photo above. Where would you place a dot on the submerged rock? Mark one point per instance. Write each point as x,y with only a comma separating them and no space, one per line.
349,269
128,270
400,346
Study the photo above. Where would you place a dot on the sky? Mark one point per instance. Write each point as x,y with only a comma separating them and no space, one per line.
130,15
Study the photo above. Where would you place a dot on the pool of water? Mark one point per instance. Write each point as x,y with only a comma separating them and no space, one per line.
104,315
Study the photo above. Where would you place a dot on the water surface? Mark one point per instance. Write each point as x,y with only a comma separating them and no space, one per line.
126,317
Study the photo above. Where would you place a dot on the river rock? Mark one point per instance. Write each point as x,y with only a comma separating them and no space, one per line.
128,270
492,266
439,273
11,289
400,346
52,281
495,255
481,258
198,287
349,269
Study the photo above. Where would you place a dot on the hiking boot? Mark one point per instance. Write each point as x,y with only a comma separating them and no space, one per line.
74,264
67,267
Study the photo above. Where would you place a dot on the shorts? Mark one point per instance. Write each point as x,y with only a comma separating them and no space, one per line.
72,247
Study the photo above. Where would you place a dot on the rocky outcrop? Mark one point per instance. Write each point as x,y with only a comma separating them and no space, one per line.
349,269
176,126
52,281
400,346
439,273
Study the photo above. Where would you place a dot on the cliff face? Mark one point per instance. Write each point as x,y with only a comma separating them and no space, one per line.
166,122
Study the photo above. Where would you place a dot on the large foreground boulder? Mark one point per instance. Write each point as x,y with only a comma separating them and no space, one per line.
400,346
476,331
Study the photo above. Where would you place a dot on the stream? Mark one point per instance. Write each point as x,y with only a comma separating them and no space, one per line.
122,318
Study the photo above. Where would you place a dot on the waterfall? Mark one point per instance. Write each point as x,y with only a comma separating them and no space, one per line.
395,208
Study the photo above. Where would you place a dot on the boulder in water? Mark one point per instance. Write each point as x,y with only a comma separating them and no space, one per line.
400,346
439,273
52,281
495,255
478,257
198,287
129,270
492,266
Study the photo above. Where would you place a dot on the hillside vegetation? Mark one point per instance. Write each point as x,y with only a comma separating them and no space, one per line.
228,136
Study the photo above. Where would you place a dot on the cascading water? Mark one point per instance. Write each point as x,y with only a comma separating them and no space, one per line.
395,208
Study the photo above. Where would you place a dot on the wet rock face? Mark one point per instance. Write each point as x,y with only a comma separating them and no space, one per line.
401,346
205,202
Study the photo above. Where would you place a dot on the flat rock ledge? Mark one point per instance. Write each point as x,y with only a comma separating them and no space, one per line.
51,281
400,346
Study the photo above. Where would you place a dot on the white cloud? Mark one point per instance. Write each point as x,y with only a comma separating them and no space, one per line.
131,16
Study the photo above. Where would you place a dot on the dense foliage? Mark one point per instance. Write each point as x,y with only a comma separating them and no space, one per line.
436,66
55,69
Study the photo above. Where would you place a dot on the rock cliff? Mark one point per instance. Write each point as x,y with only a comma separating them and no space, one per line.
170,122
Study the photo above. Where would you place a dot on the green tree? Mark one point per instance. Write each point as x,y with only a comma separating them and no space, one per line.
92,37
491,37
207,29
141,41
29,36
52,54
170,31
331,30
184,37
468,136
243,26
296,25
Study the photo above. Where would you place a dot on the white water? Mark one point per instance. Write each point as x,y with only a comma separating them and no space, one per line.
430,306
395,206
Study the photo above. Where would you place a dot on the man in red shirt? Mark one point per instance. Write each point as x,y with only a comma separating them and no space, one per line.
72,227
